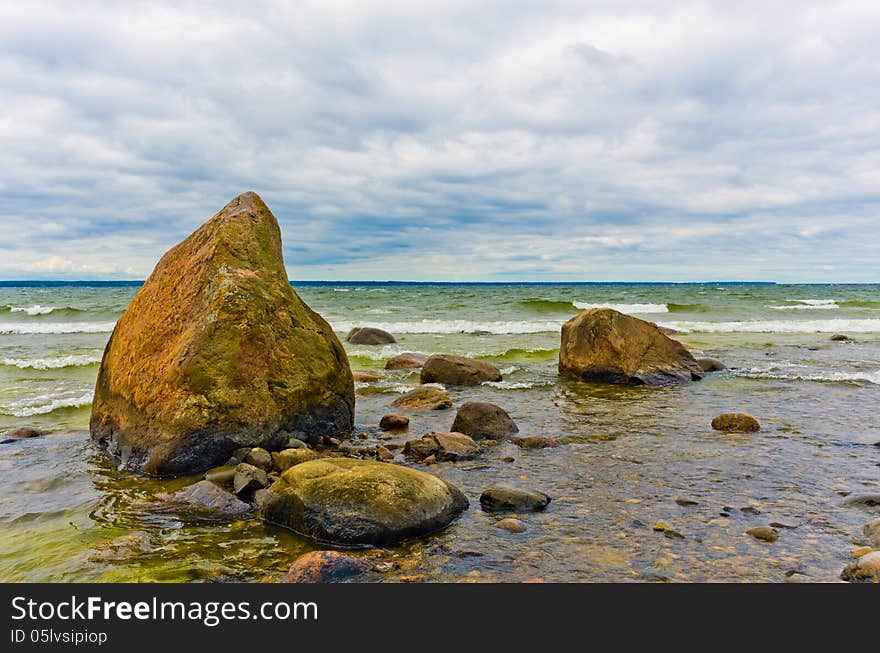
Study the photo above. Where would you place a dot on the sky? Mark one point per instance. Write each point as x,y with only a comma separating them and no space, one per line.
443,140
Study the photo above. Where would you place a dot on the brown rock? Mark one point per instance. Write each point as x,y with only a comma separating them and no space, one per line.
424,398
711,365
603,345
259,457
393,422
326,567
511,525
287,458
384,453
508,497
458,370
764,533
736,422
223,475
839,337
369,336
866,568
23,432
443,447
365,377
872,532
535,442
406,361
216,351
480,419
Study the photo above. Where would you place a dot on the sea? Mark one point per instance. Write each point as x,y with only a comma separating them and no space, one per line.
629,458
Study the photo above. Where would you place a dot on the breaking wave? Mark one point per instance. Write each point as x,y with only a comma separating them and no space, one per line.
52,363
55,327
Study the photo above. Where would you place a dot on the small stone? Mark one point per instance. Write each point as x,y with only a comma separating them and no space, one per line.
383,453
749,510
295,443
393,422
239,456
736,423
866,568
366,377
430,460
764,533
872,531
326,567
860,551
661,526
406,361
426,397
260,497
259,457
673,534
287,458
867,501
248,479
711,364
776,524
508,497
686,502
512,525
24,432
508,459
206,496
839,337
443,446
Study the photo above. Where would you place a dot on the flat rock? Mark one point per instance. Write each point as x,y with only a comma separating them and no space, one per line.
426,397
369,336
216,351
444,447
327,567
23,432
480,419
365,377
508,497
736,423
605,346
393,422
207,497
764,533
349,502
287,458
458,370
406,361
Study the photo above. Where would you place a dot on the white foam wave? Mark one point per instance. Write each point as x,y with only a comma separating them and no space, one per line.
57,327
822,306
511,385
814,302
53,363
43,404
779,326
36,309
456,326
776,373
643,309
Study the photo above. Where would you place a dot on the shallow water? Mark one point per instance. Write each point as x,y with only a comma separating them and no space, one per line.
627,454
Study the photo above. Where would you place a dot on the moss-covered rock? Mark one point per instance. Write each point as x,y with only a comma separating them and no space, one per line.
216,352
351,502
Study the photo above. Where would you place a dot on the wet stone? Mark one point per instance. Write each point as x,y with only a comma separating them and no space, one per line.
764,533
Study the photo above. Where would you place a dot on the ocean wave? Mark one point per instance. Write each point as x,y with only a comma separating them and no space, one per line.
37,309
829,306
55,327
548,305
780,374
779,326
53,363
814,302
44,404
688,308
515,385
643,309
457,326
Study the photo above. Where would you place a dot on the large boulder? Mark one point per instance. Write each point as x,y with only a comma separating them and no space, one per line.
458,370
606,346
349,502
216,351
480,419
369,336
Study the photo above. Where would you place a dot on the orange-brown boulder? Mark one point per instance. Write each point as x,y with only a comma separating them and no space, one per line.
216,352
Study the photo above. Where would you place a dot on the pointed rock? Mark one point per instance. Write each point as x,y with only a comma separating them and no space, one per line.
216,352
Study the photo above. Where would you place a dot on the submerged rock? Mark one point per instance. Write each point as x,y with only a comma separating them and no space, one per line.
427,397
458,370
406,361
365,377
369,336
511,525
216,351
866,568
206,496
508,497
764,533
480,419
736,422
711,365
536,442
350,502
839,337
393,422
326,567
867,501
443,447
872,532
24,432
606,346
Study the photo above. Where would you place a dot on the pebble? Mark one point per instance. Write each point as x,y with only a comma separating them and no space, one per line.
862,550
764,533
259,457
686,502
383,453
512,525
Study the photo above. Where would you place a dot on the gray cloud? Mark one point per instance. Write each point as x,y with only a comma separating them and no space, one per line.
620,141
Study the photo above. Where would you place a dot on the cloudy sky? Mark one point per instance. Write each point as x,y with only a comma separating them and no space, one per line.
449,141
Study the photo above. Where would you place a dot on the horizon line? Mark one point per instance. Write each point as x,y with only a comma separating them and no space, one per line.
14,282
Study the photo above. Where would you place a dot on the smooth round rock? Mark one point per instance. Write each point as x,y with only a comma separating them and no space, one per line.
480,419
326,567
349,502
764,533
866,568
458,370
406,361
284,460
259,457
736,423
369,336
511,525
426,397
711,365
393,422
502,497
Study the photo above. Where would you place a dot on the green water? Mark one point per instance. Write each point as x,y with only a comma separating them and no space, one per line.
67,514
